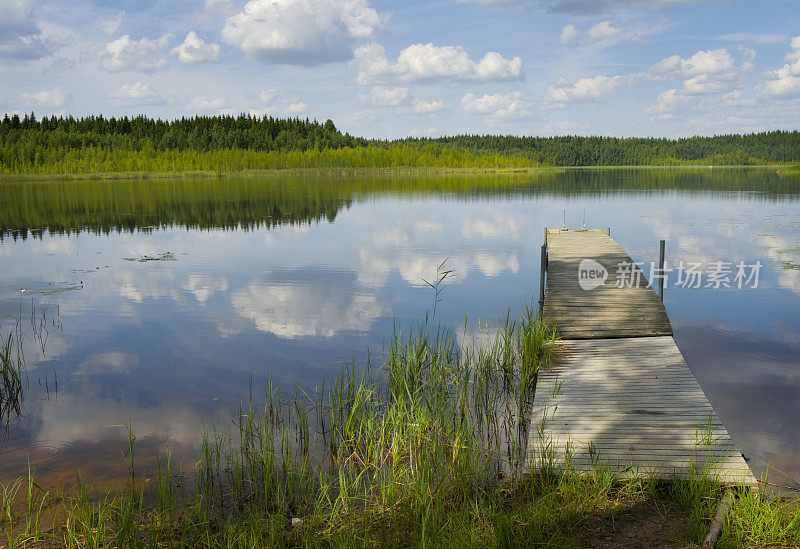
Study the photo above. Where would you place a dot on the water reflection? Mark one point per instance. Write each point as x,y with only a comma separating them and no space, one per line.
302,303
290,276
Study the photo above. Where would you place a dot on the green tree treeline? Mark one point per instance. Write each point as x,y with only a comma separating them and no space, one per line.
65,145
218,143
720,150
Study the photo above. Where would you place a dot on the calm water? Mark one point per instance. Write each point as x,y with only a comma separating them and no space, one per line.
290,276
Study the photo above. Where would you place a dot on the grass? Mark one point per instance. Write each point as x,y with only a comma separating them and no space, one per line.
426,449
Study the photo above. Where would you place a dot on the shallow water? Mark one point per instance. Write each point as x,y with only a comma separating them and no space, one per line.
159,303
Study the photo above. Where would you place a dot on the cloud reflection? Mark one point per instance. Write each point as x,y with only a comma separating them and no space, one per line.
306,303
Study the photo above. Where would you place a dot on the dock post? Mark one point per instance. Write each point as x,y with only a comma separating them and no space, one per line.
661,271
542,271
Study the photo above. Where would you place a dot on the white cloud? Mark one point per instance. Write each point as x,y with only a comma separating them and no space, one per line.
195,50
387,97
296,108
667,103
135,95
785,82
783,87
498,104
719,63
275,102
420,62
712,73
20,35
604,30
569,36
205,103
422,106
110,26
301,32
430,132
126,54
268,96
55,98
400,97
586,89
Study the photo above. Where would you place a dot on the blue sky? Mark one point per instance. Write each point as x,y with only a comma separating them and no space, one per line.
392,69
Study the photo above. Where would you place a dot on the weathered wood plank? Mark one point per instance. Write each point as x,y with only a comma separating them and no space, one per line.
605,311
634,403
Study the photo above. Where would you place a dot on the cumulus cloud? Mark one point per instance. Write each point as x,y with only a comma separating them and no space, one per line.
55,98
20,36
785,82
275,102
586,89
498,104
422,106
713,73
604,30
667,103
205,103
384,96
401,98
301,32
126,54
135,95
569,36
111,25
296,108
718,63
195,50
420,62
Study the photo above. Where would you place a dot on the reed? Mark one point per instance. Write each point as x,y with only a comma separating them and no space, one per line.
11,368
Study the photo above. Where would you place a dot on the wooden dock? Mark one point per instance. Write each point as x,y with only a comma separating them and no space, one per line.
622,393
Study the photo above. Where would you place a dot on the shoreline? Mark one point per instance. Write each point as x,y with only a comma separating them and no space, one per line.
367,171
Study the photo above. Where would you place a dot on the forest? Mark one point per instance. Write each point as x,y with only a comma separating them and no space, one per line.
226,144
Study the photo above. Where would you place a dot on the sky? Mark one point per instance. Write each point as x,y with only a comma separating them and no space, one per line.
414,68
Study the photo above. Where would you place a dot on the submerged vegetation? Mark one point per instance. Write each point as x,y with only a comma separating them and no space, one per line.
228,144
427,449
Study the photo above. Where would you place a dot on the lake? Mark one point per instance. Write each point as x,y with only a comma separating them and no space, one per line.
156,305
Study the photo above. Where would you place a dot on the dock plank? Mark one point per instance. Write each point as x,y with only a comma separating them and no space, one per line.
606,311
634,404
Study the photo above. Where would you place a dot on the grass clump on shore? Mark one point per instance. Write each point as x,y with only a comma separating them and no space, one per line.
428,449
